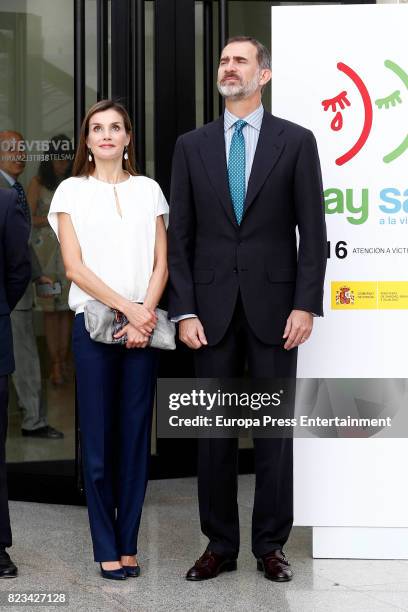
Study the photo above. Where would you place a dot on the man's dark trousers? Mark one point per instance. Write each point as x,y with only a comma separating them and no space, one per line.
272,516
15,272
5,530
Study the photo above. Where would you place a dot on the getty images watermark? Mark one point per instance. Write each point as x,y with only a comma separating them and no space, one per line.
193,408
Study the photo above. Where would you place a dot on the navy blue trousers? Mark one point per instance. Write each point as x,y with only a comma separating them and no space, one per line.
5,530
115,388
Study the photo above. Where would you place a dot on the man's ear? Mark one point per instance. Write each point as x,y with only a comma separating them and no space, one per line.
266,76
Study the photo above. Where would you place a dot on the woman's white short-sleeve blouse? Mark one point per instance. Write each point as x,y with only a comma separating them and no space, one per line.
119,249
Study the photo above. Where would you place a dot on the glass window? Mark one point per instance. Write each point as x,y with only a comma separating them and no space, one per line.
149,86
36,119
199,62
91,74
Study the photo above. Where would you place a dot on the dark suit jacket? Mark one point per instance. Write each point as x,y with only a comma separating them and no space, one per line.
211,258
15,270
27,299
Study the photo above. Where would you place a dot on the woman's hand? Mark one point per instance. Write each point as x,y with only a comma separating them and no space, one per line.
135,338
141,318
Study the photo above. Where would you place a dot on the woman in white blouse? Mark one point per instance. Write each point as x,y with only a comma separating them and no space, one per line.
111,223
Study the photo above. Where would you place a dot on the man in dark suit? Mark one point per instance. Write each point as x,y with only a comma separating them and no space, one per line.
242,291
15,273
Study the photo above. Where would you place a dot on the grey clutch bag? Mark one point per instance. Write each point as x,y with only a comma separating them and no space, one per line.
102,322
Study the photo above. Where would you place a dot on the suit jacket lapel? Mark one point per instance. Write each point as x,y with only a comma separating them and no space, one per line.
269,149
212,151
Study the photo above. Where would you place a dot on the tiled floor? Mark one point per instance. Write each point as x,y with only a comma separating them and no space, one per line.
53,552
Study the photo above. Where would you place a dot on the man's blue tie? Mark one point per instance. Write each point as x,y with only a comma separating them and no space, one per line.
236,170
22,201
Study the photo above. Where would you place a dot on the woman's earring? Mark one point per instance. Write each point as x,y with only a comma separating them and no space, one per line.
90,155
125,155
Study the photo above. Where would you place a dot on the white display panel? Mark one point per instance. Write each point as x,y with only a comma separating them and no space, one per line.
352,60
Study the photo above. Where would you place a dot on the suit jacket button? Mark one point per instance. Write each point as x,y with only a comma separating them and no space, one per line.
235,270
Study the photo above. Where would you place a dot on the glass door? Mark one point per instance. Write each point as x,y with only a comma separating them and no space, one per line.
37,127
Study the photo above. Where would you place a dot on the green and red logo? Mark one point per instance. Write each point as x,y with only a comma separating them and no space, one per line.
341,102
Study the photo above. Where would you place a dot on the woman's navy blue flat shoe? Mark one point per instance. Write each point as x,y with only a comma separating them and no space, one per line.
133,571
117,574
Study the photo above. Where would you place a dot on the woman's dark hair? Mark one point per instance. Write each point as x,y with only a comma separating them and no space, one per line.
59,145
82,165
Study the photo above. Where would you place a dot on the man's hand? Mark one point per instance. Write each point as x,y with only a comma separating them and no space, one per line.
135,338
191,332
298,328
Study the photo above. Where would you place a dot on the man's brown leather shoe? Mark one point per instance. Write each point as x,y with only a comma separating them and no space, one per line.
275,566
209,565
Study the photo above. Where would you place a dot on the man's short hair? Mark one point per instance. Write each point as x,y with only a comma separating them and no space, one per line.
262,53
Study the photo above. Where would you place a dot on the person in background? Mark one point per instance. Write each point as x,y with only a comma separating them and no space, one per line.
57,316
27,375
110,224
15,274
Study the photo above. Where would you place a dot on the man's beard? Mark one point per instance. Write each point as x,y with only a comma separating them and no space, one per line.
241,90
